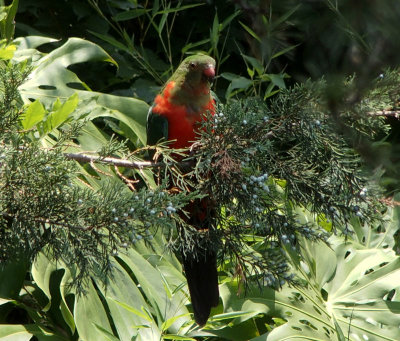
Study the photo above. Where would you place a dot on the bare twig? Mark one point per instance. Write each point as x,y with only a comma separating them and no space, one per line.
113,161
386,113
129,182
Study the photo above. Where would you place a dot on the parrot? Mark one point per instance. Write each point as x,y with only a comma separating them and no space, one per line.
175,116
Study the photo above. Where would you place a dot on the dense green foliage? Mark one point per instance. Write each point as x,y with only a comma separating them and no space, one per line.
299,173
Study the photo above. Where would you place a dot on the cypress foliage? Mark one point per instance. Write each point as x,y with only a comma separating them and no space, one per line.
260,164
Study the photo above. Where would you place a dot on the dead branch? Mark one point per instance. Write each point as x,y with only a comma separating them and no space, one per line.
112,161
386,113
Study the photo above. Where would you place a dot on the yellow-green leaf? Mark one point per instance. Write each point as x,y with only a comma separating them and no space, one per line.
33,115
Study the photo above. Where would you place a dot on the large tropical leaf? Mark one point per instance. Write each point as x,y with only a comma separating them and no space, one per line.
51,80
349,292
145,298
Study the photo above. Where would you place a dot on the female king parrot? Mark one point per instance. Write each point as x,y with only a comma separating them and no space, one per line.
175,115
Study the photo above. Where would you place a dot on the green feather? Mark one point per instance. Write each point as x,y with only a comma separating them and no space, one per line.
188,77
157,128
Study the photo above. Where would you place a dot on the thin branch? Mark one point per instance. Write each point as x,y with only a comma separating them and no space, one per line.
113,161
116,162
386,113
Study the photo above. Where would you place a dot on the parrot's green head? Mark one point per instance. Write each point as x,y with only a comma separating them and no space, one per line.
196,71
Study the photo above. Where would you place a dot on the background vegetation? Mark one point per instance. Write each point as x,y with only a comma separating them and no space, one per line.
78,77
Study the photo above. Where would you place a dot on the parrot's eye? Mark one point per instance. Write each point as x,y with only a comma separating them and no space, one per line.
192,65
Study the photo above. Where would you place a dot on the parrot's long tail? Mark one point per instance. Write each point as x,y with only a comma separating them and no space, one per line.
202,277
201,269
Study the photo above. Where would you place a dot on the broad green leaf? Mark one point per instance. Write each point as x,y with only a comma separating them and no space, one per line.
148,277
89,312
5,301
130,111
229,76
300,308
12,277
277,79
125,302
255,63
61,114
156,286
376,236
237,82
32,42
14,332
65,290
7,23
7,52
158,278
33,115
43,271
18,332
241,83
52,79
350,290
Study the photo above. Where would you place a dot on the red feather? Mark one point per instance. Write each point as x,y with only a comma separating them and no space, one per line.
182,126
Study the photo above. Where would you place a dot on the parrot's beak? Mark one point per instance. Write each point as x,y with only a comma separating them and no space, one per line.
209,72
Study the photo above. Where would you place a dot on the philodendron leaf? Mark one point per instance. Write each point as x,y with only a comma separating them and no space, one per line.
302,308
351,291
51,79
27,48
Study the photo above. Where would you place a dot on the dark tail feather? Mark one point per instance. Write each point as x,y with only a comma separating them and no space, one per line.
202,278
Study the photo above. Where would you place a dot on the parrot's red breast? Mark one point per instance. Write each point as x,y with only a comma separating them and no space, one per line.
182,120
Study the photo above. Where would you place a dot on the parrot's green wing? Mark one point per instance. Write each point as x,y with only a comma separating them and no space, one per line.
157,128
